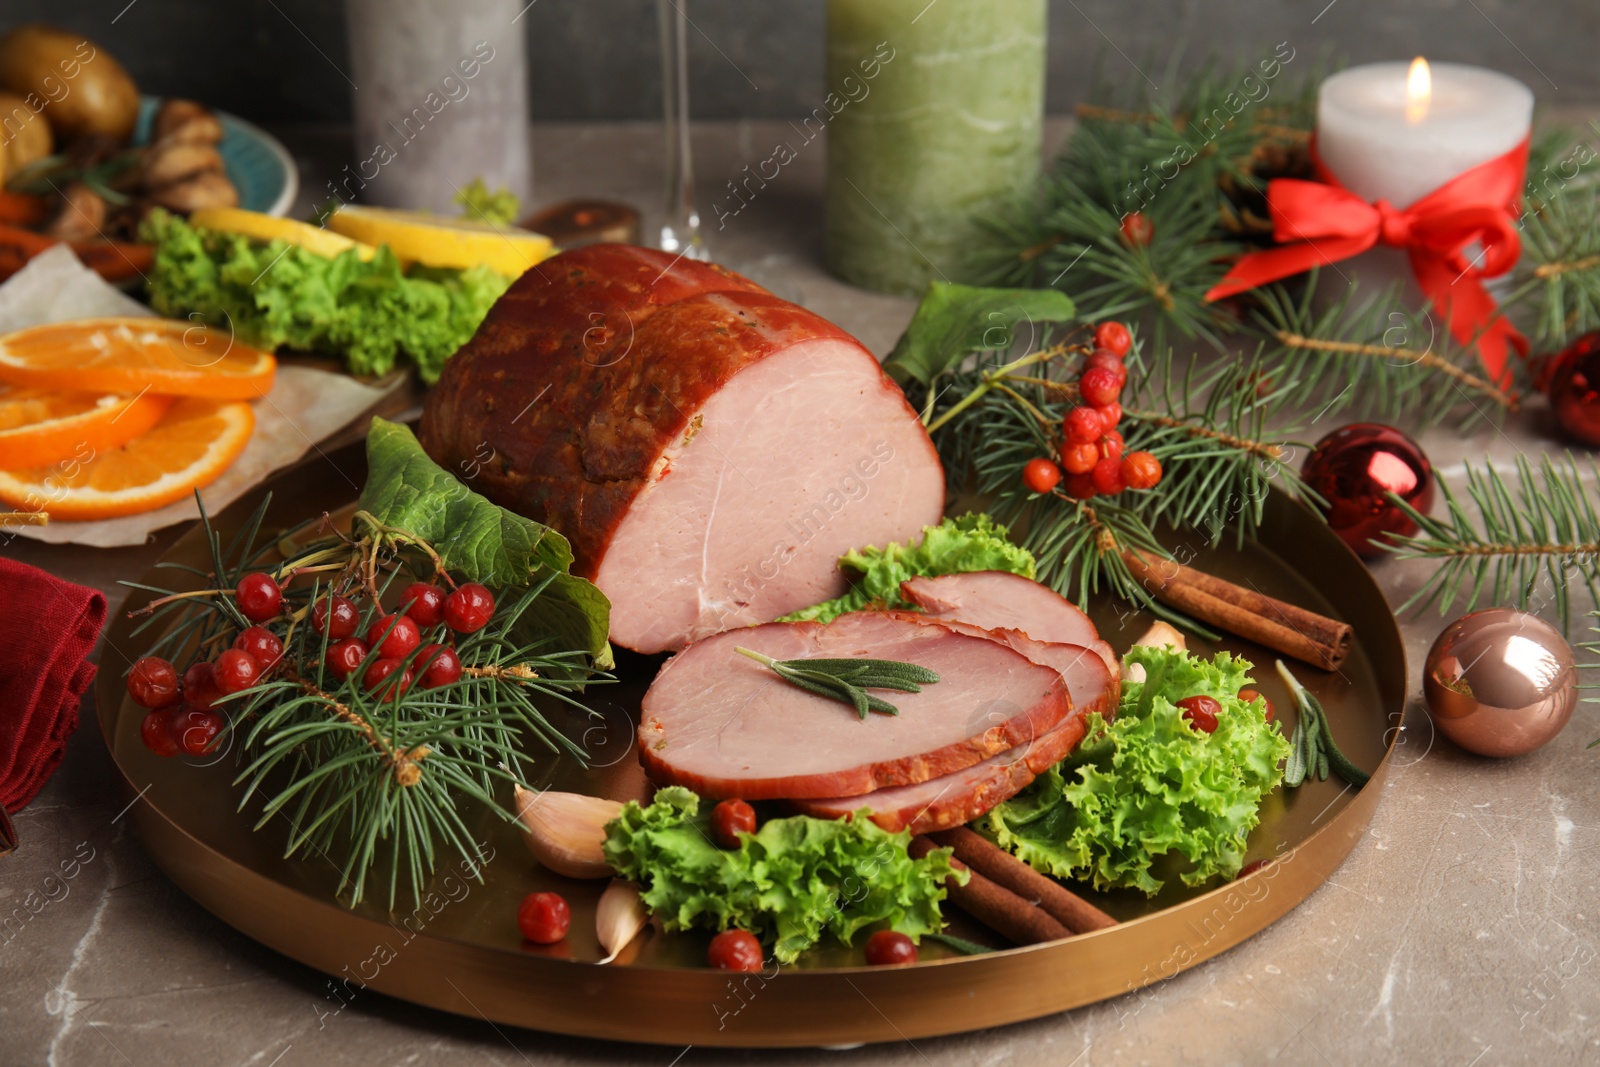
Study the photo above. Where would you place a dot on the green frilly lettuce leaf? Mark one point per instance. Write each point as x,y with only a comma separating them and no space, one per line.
273,293
788,883
499,548
1148,784
973,542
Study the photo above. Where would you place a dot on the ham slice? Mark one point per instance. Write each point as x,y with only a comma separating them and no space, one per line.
727,726
954,799
999,600
709,449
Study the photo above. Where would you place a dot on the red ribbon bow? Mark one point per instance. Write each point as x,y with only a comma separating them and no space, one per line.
1322,222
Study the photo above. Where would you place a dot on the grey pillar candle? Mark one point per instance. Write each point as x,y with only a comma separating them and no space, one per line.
440,97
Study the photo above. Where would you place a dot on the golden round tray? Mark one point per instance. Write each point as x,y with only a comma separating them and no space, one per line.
460,951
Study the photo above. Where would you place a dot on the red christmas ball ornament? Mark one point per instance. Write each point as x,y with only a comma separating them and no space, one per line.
1574,389
1355,469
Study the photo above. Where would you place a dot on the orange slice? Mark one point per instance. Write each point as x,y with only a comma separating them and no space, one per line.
38,427
194,442
131,355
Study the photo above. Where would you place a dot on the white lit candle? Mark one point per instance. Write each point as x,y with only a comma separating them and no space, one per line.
1396,132
1390,132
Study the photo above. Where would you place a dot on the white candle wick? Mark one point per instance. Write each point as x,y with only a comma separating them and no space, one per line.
1419,90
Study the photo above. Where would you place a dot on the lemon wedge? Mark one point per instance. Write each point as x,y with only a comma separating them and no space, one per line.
441,241
272,228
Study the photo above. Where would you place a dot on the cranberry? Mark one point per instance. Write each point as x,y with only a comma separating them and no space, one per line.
1251,868
1113,337
734,950
1040,475
439,665
258,596
153,683
729,819
233,671
1099,386
394,636
157,734
469,608
1107,477
378,680
1141,470
261,645
197,731
1083,424
1110,446
344,657
200,685
1202,712
890,948
423,603
544,918
1251,695
1136,229
1105,359
1080,486
1110,414
1079,457
336,617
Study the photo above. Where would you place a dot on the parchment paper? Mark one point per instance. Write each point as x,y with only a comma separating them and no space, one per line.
305,405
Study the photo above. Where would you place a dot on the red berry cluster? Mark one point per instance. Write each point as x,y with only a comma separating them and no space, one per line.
1091,448
184,716
394,637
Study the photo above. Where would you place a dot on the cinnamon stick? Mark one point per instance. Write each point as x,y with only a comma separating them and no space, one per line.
1282,627
1008,872
1017,920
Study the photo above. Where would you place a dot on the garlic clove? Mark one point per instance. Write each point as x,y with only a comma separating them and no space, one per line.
564,831
1163,634
1159,635
619,917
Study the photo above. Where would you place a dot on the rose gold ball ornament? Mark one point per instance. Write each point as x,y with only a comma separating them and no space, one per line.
1500,682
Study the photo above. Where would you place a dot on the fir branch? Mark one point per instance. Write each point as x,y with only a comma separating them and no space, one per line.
367,776
1217,455
1387,361
1558,278
1209,428
1549,528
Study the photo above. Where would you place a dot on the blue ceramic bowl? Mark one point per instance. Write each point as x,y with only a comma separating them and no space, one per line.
257,163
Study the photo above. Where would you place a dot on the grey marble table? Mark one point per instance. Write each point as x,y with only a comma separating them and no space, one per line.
1462,930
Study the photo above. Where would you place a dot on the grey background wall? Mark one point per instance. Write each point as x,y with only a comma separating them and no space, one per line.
273,60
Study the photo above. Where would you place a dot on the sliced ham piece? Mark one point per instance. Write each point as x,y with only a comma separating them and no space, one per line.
709,449
726,726
954,799
999,600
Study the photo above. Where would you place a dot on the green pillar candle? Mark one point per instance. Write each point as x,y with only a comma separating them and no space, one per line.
944,130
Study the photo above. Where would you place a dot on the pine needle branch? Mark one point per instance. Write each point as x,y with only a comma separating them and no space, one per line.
1386,360
380,779
1549,529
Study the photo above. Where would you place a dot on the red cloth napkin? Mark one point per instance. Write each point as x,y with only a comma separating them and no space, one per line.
47,628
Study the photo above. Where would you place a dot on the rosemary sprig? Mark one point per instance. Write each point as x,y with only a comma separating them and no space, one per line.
1311,749
847,680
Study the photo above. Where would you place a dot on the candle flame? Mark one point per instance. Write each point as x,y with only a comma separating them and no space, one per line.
1419,90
